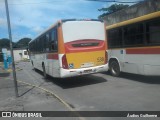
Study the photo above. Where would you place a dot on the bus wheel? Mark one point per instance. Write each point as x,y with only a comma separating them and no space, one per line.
44,72
114,68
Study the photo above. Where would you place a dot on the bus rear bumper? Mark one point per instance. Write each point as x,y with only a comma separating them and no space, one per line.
83,71
152,70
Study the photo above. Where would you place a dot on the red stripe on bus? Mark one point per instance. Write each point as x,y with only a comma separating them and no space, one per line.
70,49
143,51
52,56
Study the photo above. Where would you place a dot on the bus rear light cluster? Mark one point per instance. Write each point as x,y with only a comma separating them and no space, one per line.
106,57
64,62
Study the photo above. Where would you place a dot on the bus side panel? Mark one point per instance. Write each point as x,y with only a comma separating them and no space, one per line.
38,61
142,64
54,59
138,63
48,66
116,54
146,59
50,61
53,64
152,70
125,65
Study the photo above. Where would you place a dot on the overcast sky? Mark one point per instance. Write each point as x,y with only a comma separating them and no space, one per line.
30,17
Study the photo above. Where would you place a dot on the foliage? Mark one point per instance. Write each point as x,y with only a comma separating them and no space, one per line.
22,43
111,9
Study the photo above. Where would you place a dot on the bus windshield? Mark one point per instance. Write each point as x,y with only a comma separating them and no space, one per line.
82,30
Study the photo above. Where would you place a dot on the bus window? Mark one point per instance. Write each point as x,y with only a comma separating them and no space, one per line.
41,44
36,47
133,35
47,42
43,40
115,38
54,39
153,32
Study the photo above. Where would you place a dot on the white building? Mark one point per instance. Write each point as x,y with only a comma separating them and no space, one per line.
20,54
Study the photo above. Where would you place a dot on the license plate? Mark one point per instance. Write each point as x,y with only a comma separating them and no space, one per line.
87,71
89,64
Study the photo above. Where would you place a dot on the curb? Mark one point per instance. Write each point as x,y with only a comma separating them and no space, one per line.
3,72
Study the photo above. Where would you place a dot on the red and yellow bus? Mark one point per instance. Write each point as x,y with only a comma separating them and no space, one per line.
134,46
70,47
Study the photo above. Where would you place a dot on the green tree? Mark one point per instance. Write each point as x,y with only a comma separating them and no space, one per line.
22,43
111,9
5,43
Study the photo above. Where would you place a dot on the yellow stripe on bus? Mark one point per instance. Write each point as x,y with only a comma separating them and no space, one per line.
135,20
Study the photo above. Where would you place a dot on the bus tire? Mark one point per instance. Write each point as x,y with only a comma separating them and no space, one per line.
114,68
44,72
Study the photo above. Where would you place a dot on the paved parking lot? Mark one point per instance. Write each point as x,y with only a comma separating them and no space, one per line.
96,92
100,91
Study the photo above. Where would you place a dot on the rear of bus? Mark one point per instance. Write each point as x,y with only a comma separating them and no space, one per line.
84,48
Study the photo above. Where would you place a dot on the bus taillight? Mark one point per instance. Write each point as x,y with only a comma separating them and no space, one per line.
64,62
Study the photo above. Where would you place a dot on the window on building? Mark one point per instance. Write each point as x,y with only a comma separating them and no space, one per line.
25,53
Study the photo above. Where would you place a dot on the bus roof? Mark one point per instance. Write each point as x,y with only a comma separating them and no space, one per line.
134,20
62,21
65,20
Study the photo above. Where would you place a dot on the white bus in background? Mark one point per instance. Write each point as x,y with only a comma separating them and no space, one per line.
70,47
134,46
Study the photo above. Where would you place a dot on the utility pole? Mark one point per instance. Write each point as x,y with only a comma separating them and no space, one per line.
11,48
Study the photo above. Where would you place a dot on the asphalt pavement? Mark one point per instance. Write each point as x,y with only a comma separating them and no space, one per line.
30,97
96,92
